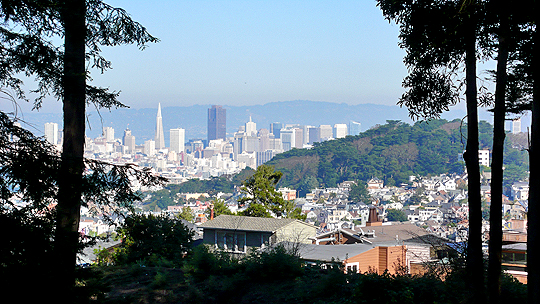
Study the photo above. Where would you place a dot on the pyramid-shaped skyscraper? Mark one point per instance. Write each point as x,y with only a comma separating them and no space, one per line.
160,139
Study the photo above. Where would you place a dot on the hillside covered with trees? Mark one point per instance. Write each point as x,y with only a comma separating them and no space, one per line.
391,152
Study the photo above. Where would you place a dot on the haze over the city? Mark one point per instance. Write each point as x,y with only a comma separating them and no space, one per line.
254,52
245,53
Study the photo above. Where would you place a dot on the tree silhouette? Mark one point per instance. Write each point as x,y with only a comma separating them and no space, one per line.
27,36
439,37
149,238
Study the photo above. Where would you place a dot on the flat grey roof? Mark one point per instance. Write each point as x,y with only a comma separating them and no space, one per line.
325,253
515,246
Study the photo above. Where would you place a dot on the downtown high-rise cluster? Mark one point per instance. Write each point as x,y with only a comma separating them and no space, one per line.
220,153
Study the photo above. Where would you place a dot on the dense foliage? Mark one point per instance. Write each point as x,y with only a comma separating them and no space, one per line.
147,239
391,152
277,276
396,215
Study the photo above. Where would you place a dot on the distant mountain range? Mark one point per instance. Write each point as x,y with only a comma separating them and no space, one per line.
193,118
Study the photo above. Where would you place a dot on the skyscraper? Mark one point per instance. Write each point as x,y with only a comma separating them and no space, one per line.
325,132
159,138
305,130
275,127
288,138
314,135
340,130
129,141
516,126
178,137
108,133
264,140
149,147
298,138
217,123
51,132
251,127
354,128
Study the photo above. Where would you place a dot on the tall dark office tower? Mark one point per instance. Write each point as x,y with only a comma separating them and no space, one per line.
217,123
275,127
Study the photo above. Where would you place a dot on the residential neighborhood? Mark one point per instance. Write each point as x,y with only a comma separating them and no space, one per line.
434,221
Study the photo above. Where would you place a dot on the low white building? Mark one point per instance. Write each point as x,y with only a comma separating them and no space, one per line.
520,191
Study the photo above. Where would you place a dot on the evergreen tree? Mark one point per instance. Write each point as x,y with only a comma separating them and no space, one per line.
149,239
395,215
439,37
84,26
359,193
260,193
219,208
186,214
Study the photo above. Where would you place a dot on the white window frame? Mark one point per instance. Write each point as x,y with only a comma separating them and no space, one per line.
352,265
235,236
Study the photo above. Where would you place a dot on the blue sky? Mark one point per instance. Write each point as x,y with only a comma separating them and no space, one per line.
255,52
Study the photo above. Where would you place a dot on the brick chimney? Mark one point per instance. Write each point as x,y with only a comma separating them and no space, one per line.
373,218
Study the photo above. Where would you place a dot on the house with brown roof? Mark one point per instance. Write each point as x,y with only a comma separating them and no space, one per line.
414,244
238,233
374,183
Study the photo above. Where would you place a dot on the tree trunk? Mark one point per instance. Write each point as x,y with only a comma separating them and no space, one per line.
533,263
474,247
72,166
495,213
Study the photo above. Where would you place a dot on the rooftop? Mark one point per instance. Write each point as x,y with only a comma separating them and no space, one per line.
326,253
248,223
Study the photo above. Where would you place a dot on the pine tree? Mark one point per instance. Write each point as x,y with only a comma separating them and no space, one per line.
84,26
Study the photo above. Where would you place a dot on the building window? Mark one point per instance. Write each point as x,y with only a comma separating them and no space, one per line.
231,241
352,267
514,257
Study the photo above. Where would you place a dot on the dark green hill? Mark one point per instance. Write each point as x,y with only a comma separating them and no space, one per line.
391,152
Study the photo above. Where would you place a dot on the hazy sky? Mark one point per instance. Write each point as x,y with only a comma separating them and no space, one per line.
255,52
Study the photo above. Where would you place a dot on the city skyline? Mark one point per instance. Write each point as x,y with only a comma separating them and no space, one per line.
142,123
247,53
249,138
297,50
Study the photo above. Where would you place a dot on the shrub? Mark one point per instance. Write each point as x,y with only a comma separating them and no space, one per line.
154,240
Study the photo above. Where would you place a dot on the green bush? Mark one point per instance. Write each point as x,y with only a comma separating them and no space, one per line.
277,276
274,264
160,280
203,263
154,240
